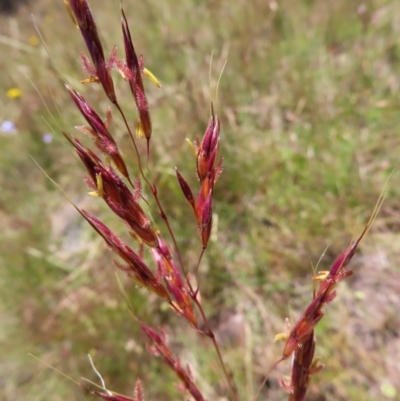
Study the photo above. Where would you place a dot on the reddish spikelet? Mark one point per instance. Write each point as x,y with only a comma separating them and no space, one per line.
301,340
102,137
159,347
206,220
302,368
208,149
134,76
175,284
207,185
135,267
84,19
325,294
116,194
144,233
186,190
208,173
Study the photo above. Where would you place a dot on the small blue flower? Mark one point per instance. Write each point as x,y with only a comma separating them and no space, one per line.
8,127
47,138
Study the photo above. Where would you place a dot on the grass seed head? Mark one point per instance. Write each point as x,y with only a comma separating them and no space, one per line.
135,267
85,21
133,72
99,130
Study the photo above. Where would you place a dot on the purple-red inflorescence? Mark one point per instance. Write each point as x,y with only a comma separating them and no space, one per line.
99,131
84,19
301,340
116,194
159,348
133,72
208,172
177,287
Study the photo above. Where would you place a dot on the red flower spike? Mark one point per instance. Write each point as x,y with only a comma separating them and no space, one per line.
136,81
343,259
116,194
102,137
208,148
146,234
207,186
301,368
208,174
138,270
176,286
202,165
89,159
325,294
206,143
187,192
84,19
158,340
201,198
206,220
300,342
160,346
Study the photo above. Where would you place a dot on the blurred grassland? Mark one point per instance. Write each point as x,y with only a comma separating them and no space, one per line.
309,104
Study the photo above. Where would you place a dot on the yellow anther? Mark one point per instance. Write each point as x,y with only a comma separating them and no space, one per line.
192,148
285,335
281,337
99,182
136,237
99,192
322,275
90,80
70,13
139,130
175,306
152,77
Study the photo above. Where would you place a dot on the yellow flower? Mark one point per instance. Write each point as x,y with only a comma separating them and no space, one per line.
13,93
33,40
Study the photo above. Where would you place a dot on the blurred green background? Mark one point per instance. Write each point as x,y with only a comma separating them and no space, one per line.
309,105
